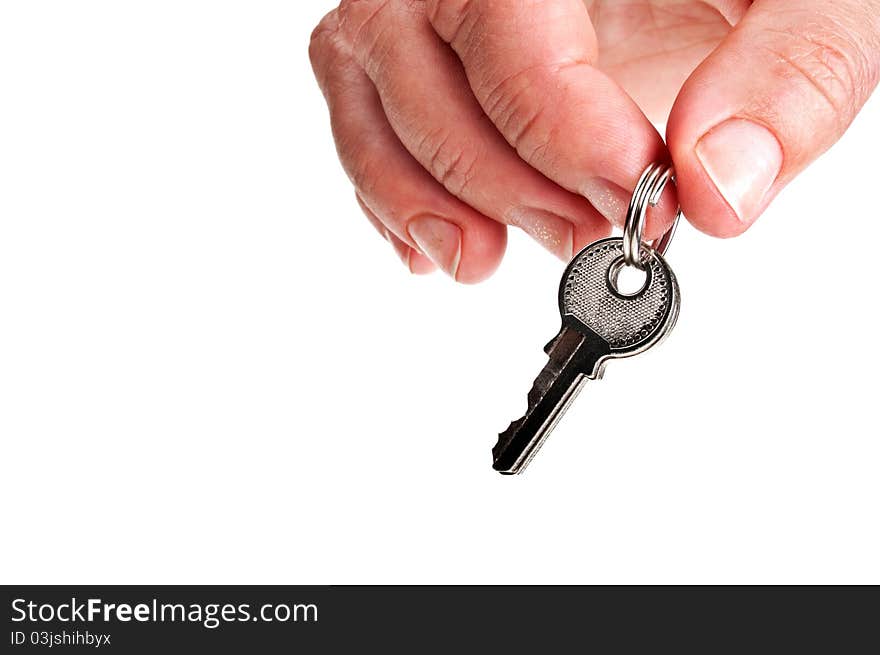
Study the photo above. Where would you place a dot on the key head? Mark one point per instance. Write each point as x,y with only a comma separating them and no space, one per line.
630,323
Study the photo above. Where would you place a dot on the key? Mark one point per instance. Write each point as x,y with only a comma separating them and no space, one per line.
599,323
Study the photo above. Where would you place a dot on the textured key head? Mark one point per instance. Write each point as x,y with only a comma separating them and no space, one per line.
629,323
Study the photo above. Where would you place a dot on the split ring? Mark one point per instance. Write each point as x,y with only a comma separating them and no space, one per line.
647,193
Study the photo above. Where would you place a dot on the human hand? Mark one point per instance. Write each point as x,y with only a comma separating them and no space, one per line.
456,118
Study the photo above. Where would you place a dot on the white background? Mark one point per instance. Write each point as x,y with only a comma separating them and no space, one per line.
212,369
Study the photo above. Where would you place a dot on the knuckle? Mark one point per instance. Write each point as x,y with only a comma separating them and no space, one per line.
451,162
451,17
324,41
324,33
827,55
518,113
362,23
509,108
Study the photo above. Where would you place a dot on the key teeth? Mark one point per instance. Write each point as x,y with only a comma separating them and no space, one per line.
532,399
568,362
505,438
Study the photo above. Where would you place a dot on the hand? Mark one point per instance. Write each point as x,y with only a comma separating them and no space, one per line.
456,118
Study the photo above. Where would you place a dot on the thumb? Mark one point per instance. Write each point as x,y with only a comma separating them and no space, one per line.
777,92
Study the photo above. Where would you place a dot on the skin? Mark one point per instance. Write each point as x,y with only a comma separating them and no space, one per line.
457,118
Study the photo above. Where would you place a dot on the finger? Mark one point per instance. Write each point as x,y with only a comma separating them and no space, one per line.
530,66
398,191
778,92
415,261
434,113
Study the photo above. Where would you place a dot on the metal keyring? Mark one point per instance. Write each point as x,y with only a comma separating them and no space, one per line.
647,192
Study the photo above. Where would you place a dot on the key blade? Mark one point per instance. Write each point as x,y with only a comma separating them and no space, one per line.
575,356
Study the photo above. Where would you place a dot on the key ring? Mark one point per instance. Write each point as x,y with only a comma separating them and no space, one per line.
647,192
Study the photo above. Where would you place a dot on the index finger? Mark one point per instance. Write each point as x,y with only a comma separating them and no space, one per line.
531,67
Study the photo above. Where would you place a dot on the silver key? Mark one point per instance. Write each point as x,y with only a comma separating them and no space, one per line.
598,323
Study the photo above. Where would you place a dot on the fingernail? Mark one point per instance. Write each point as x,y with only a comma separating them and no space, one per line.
439,239
419,264
610,199
553,232
743,160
